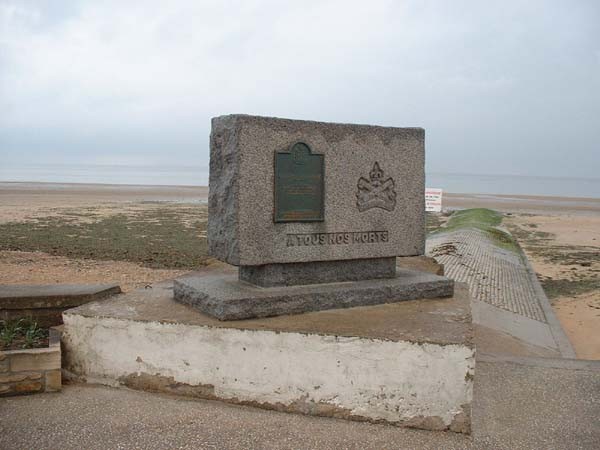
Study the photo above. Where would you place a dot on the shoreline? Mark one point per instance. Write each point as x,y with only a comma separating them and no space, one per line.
533,204
45,194
36,185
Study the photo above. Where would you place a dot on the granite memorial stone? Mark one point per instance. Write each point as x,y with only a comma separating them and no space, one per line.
315,215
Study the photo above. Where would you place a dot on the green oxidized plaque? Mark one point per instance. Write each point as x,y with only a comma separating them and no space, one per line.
299,185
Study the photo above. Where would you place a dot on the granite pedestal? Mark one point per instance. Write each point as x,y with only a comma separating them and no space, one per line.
227,298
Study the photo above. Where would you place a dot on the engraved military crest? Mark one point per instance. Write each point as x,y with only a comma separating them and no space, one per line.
376,192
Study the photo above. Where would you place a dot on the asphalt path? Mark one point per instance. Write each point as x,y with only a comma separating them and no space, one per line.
520,403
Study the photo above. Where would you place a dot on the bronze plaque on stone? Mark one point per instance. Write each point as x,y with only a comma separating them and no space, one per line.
299,185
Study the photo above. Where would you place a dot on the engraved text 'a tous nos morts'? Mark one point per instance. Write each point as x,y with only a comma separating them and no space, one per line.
340,238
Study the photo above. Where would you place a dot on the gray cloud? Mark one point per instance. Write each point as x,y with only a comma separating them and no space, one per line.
501,87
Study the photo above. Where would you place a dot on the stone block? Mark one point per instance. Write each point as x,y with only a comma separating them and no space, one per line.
316,272
28,386
223,297
46,302
53,381
35,360
13,377
41,296
5,389
373,192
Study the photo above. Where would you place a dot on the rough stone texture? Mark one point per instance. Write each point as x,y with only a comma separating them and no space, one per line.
225,298
28,386
20,376
46,302
53,381
31,370
224,192
408,363
241,230
291,274
34,359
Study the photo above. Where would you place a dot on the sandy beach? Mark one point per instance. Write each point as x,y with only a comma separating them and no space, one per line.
525,204
561,237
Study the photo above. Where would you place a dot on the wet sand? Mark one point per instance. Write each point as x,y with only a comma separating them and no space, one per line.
530,204
20,200
566,249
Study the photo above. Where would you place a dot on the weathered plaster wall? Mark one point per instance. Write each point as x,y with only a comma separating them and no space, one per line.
421,385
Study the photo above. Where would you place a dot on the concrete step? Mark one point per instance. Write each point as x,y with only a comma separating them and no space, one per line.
45,303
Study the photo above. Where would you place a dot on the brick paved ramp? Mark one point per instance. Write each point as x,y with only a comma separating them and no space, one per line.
506,295
495,276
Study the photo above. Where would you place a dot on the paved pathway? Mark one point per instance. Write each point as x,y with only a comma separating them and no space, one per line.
506,295
519,404
495,275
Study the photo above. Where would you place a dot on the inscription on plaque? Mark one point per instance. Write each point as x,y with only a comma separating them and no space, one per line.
299,188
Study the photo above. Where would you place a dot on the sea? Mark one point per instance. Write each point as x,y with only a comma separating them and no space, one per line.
175,175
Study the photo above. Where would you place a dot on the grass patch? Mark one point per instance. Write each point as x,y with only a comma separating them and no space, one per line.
569,288
541,243
480,218
168,236
483,219
434,221
22,333
571,256
528,235
581,278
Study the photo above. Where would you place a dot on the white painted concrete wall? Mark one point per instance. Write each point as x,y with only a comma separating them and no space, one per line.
380,380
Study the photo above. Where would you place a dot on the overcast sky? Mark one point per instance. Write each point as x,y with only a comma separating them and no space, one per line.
505,87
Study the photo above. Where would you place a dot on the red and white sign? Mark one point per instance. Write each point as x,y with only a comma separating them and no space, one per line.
433,200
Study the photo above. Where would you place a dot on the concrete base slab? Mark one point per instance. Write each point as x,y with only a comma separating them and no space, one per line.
527,330
409,363
493,342
46,302
227,298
